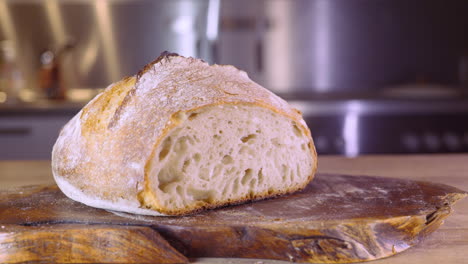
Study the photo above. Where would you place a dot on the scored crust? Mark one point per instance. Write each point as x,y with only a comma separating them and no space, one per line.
102,155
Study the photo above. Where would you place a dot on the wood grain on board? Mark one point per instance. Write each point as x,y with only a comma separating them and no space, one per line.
336,219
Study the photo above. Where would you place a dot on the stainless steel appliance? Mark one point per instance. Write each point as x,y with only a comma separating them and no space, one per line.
387,125
108,39
369,76
346,46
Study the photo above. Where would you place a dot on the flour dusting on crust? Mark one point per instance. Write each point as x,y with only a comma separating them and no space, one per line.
103,152
94,201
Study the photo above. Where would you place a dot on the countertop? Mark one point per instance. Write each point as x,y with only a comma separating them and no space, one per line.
447,245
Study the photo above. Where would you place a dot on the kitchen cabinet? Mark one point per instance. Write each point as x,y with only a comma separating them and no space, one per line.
29,132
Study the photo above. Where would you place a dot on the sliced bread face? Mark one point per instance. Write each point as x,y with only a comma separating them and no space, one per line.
224,154
182,136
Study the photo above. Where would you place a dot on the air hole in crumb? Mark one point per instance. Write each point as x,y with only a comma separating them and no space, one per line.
179,190
253,183
258,131
303,147
248,137
284,171
296,130
216,136
167,179
220,132
185,165
271,191
230,122
247,176
200,195
197,157
181,145
227,160
192,116
260,176
179,117
166,147
235,186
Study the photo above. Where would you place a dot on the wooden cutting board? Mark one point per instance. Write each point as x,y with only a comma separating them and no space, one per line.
336,219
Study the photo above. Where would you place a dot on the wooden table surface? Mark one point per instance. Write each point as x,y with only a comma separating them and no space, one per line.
447,245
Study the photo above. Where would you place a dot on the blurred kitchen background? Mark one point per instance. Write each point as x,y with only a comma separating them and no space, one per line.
370,76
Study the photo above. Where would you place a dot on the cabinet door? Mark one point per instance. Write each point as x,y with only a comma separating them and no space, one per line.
29,137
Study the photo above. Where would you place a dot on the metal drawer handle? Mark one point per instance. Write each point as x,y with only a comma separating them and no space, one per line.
15,131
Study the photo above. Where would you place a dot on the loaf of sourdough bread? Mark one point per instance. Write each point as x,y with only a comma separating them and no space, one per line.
182,136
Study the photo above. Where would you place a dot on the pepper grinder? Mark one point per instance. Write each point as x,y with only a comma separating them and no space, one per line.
50,81
50,76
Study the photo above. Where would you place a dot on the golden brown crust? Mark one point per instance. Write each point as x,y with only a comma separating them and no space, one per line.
105,151
165,55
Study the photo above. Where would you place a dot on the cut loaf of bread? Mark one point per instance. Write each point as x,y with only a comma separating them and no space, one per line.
182,136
